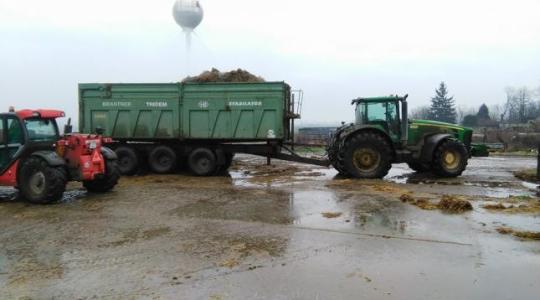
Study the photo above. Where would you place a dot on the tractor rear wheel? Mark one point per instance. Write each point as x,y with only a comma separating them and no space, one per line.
367,155
334,157
107,182
162,160
202,162
450,158
418,166
128,160
41,183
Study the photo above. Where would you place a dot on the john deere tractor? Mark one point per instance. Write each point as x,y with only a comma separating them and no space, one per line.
382,135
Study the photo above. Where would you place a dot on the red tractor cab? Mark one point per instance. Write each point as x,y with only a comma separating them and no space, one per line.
36,160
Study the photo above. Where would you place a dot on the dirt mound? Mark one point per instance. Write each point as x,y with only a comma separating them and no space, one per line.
452,204
215,75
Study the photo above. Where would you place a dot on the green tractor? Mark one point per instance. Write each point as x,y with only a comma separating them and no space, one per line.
383,135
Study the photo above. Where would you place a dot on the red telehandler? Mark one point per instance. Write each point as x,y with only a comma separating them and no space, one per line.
36,160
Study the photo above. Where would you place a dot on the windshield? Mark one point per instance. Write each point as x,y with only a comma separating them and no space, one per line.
41,130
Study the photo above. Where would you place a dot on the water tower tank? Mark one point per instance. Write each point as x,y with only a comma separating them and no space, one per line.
188,13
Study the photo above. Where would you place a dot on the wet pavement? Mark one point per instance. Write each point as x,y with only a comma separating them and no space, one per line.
286,231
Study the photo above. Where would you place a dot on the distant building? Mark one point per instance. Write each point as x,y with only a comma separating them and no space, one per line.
316,136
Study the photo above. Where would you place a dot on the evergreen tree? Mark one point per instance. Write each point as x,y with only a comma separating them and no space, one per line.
442,107
483,113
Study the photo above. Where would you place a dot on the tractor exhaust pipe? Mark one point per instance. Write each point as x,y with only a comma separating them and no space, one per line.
404,121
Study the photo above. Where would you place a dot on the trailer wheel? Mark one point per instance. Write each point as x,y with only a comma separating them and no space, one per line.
202,162
128,160
40,183
450,158
162,159
367,155
107,182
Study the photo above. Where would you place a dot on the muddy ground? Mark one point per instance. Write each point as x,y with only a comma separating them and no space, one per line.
287,231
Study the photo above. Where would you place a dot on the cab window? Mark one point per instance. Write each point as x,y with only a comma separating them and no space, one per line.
41,130
14,132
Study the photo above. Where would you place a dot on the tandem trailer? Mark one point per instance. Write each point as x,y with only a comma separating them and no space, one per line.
163,125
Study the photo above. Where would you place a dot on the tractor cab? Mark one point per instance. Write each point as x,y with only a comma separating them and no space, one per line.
384,114
26,130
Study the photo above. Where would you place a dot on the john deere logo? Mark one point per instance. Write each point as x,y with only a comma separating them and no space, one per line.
203,104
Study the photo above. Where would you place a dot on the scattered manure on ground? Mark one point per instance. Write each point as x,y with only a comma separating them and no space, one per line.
331,215
452,204
526,175
526,235
498,206
422,203
516,205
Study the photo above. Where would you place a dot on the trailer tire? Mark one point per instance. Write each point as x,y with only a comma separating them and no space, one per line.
367,155
107,182
450,158
128,160
41,183
202,162
162,160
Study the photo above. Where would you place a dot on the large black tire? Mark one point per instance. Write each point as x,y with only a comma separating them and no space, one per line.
418,166
202,162
128,160
367,155
40,183
450,158
107,182
162,160
335,159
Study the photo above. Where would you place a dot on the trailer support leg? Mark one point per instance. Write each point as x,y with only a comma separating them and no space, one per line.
268,160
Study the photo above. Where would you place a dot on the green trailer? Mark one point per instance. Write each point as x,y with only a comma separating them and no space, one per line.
162,125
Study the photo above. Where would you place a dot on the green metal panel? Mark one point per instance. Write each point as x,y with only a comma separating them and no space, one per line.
224,111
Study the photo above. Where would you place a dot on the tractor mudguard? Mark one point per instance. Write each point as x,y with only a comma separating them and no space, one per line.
430,144
50,157
108,153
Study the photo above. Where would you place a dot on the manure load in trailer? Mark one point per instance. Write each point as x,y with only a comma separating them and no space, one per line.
233,112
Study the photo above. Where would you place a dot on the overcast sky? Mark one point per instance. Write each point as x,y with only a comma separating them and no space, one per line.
333,50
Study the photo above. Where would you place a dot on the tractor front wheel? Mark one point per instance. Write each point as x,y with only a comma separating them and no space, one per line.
450,158
41,183
367,155
106,182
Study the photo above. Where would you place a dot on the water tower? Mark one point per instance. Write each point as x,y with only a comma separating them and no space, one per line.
188,14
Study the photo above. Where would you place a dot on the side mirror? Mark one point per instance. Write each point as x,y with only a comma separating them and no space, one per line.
68,128
100,130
